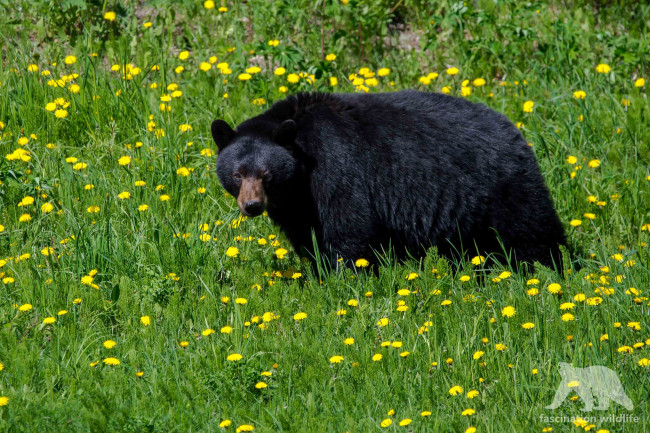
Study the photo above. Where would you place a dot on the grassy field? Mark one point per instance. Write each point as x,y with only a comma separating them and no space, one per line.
134,298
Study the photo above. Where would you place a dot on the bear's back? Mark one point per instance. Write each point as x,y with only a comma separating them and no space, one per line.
422,162
394,127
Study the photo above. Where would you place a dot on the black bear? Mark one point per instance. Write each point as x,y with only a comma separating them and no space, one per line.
403,171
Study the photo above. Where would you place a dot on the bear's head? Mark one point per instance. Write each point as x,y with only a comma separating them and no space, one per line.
565,369
256,162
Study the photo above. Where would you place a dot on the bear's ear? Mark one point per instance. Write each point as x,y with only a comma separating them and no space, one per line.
222,133
285,134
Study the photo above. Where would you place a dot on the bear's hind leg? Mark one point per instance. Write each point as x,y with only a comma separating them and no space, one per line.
526,221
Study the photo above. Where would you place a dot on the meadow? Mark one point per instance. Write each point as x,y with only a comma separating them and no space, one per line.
135,298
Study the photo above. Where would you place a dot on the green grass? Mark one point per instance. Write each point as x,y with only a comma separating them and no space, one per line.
54,374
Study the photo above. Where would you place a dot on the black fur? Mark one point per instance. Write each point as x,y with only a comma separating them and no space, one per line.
409,168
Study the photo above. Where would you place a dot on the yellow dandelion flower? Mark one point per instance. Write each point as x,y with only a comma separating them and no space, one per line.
508,311
478,260
455,390
383,322
234,357
361,263
183,171
579,94
603,68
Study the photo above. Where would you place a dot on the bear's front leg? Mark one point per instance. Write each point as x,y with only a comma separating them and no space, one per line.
346,246
562,392
584,391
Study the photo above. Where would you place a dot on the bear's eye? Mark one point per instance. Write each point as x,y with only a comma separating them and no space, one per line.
236,175
266,175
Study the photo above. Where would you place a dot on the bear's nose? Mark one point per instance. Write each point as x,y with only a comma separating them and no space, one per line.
253,208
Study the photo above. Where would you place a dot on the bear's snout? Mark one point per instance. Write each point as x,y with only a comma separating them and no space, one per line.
254,208
251,199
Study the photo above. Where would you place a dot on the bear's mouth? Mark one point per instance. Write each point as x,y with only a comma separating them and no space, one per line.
251,199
